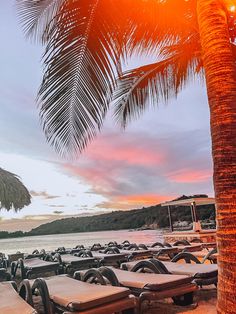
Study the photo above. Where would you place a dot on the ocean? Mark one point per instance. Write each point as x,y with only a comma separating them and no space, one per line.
70,240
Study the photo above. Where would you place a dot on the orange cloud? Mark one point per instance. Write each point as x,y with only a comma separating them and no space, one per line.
133,201
190,176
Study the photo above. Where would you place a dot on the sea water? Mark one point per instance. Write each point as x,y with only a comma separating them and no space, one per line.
70,240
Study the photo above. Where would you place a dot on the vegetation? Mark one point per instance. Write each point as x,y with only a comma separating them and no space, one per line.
16,234
147,217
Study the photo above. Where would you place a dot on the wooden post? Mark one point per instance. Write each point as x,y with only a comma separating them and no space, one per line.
196,224
170,219
192,213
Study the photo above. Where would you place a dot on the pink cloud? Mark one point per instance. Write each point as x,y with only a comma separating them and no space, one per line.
135,170
189,176
120,149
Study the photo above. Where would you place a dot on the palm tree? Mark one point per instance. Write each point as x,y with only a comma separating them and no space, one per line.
86,44
13,194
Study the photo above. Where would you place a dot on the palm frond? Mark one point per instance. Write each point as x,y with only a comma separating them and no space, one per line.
147,85
81,57
86,41
13,194
158,23
37,17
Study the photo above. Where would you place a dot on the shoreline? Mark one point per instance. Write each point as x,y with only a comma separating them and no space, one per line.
27,234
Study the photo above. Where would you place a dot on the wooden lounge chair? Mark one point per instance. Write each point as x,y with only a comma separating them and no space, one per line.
11,302
34,266
3,261
14,257
135,251
187,247
105,258
206,256
71,263
36,253
62,294
4,275
147,286
203,274
96,247
167,251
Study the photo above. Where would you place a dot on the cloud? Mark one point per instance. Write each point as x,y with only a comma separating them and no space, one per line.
58,212
44,195
132,201
143,168
190,176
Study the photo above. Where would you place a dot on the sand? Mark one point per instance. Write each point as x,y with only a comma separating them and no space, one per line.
205,302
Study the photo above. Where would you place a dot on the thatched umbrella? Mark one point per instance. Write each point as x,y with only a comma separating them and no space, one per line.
13,194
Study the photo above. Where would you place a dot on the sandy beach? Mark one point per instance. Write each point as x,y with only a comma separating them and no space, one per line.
205,302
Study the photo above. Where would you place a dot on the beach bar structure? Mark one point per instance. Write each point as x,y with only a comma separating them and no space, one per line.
208,235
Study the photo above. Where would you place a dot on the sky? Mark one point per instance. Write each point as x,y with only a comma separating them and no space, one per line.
164,154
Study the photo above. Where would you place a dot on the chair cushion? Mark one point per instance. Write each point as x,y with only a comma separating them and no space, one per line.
75,260
150,281
189,248
109,257
195,270
77,295
164,250
11,302
37,263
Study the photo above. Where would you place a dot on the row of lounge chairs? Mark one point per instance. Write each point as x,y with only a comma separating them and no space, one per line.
63,262
129,286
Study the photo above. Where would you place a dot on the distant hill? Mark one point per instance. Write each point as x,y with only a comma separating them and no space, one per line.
154,216
146,217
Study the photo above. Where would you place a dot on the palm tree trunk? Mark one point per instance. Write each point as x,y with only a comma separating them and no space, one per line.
221,87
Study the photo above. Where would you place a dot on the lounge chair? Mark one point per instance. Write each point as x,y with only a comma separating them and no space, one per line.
207,256
77,249
72,263
196,240
61,294
36,253
11,302
166,251
106,257
185,246
3,261
135,251
96,247
147,286
4,275
14,257
203,274
34,266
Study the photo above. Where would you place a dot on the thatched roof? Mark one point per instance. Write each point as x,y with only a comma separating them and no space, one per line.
13,194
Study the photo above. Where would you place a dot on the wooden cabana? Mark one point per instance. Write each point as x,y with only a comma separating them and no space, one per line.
197,231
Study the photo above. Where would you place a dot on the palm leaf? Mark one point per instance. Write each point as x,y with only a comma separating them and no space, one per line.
81,56
148,84
37,17
13,194
159,23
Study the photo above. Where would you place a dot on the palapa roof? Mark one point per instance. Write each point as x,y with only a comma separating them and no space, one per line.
13,194
190,201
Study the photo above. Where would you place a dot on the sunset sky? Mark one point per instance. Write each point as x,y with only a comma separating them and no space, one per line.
165,154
